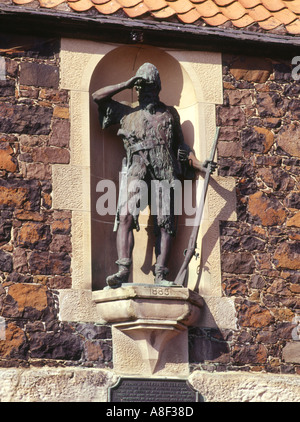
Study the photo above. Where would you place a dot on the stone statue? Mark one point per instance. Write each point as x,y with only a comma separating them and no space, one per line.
155,150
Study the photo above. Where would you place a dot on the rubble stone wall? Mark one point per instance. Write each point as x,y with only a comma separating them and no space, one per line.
258,146
35,238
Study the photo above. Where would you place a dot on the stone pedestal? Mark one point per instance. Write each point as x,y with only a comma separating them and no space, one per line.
149,327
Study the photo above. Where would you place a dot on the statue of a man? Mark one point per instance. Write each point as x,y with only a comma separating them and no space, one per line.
155,149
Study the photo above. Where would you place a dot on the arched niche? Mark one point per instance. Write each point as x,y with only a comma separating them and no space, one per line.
107,151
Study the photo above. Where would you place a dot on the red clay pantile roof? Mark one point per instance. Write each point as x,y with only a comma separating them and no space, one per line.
269,15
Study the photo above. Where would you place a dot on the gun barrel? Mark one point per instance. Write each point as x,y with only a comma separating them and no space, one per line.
180,278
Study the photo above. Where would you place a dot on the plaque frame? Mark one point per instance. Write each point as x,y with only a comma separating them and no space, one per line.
154,383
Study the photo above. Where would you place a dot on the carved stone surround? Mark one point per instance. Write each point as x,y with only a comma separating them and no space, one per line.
72,186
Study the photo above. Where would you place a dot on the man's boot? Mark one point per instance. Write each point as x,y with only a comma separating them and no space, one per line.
116,280
160,273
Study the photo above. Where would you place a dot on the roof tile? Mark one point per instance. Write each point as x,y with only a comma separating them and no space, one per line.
242,22
294,28
189,17
216,20
259,13
99,1
22,1
138,10
224,2
81,5
207,9
270,23
180,6
285,16
249,3
50,3
294,6
273,5
129,3
268,14
108,8
164,13
233,11
155,4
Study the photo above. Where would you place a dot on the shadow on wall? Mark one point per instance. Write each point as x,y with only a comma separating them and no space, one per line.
212,236
208,345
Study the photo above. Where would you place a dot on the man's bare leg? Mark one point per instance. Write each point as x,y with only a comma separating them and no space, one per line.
125,238
163,247
125,244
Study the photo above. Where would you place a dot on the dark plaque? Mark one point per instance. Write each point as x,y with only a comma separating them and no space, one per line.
152,390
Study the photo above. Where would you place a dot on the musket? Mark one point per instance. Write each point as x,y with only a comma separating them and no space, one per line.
190,251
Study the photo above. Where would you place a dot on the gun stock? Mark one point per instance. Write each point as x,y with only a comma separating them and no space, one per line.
190,251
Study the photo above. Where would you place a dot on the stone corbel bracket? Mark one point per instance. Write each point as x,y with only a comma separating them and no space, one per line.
149,327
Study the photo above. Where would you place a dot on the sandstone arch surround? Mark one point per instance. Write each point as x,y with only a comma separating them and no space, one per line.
72,182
